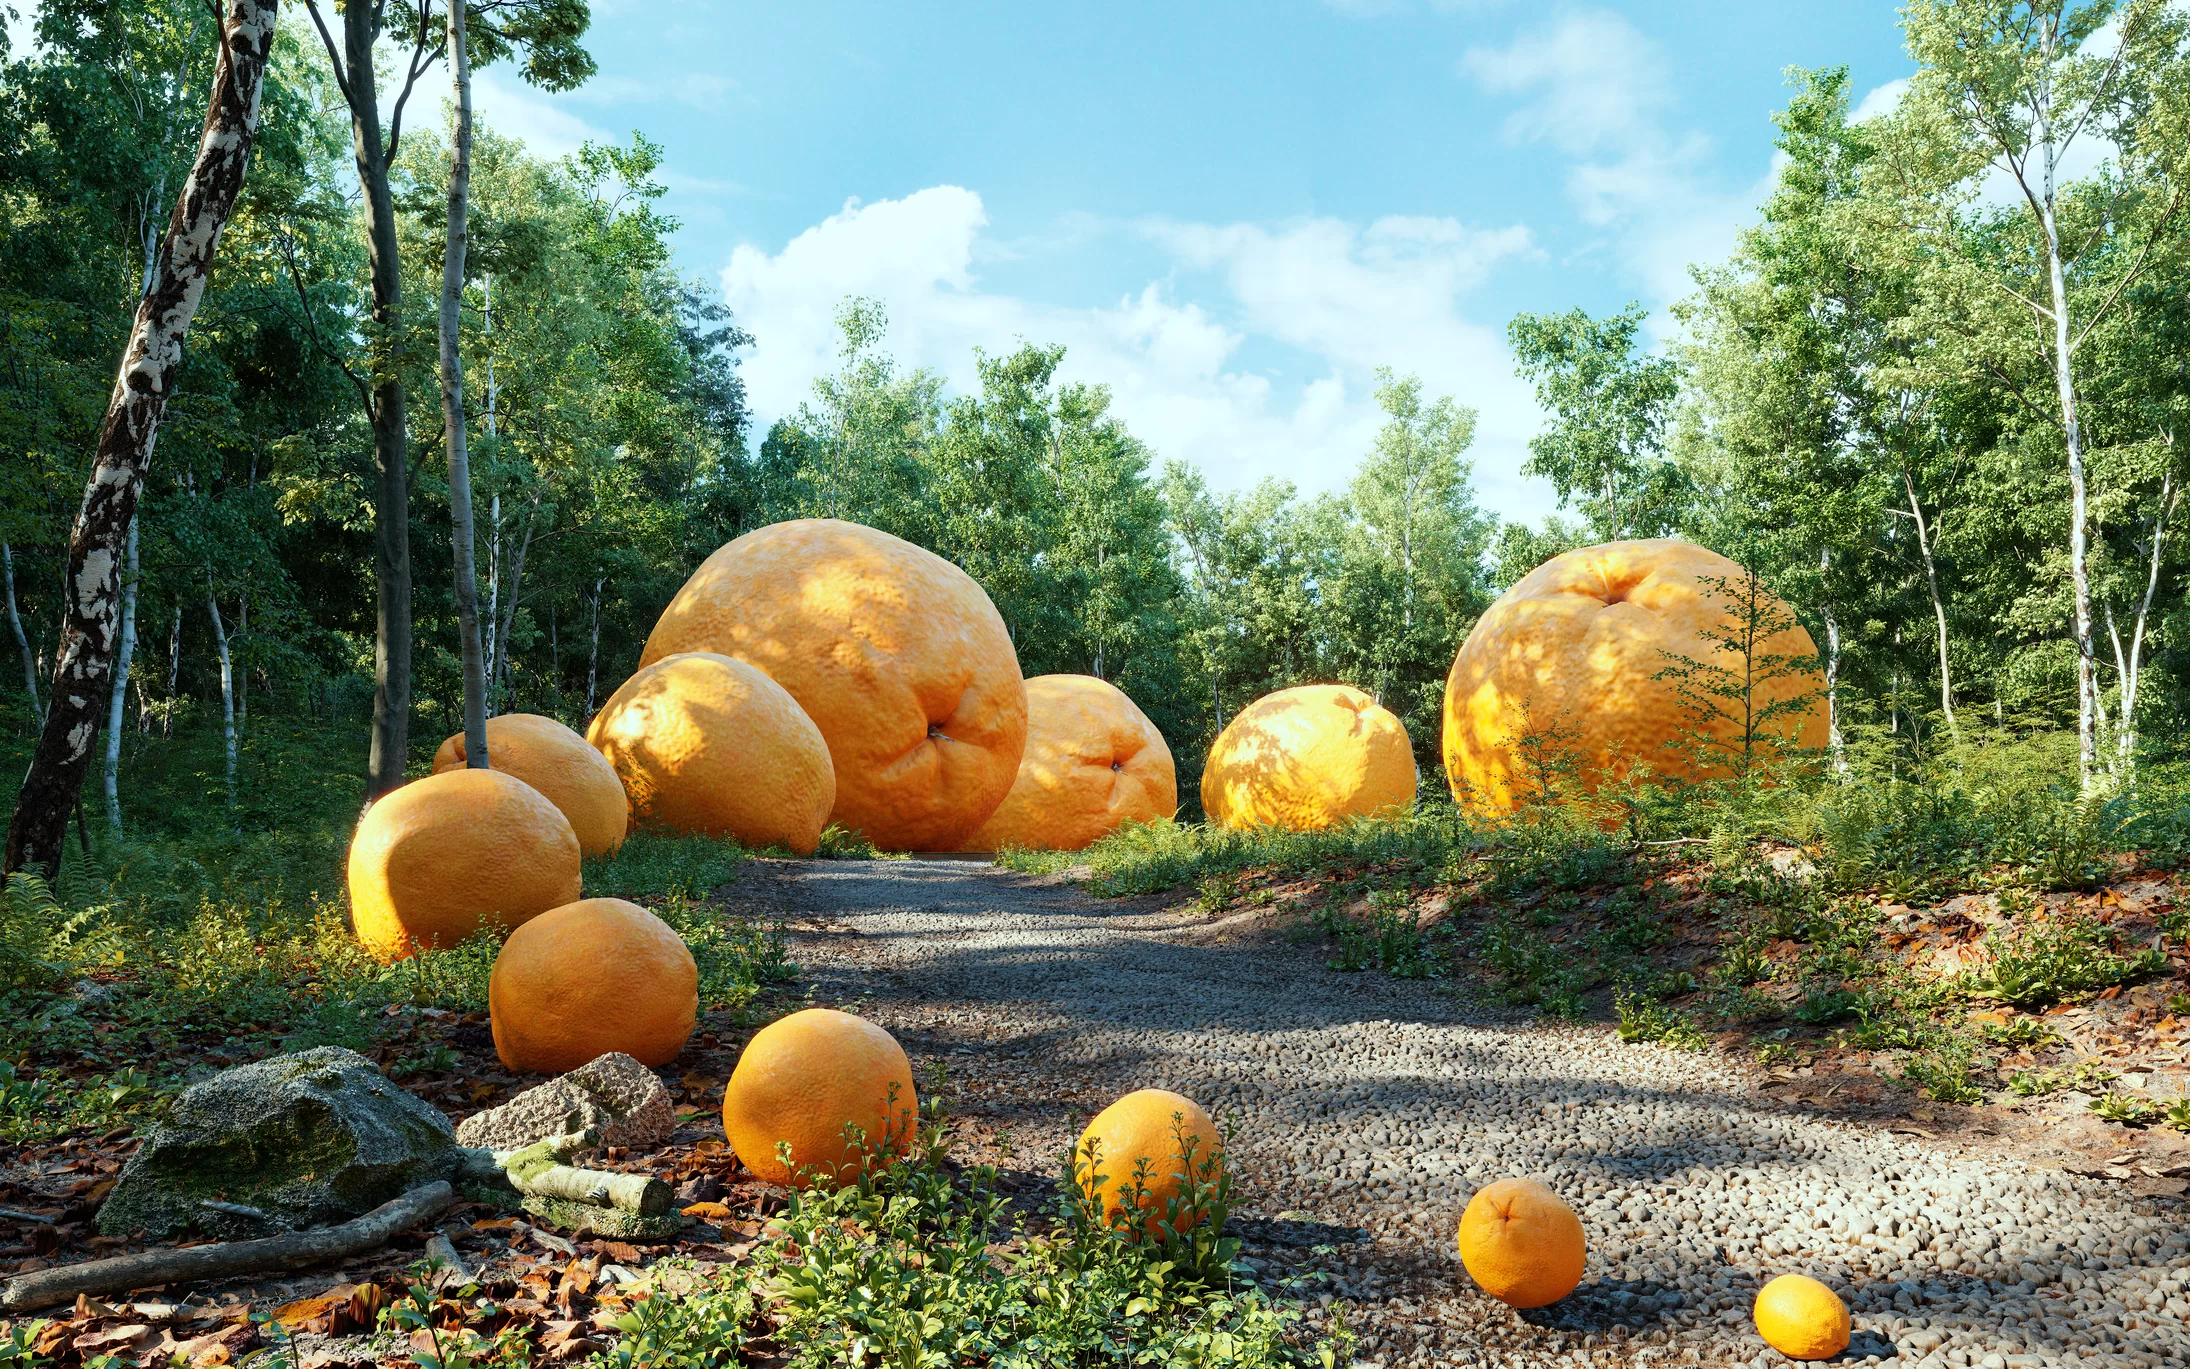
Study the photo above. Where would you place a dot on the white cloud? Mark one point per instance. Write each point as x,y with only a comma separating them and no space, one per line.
545,126
1883,99
1592,86
1339,298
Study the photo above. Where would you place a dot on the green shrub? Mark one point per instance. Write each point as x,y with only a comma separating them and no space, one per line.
2039,962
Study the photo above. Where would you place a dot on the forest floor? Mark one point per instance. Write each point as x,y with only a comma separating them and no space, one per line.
1367,1109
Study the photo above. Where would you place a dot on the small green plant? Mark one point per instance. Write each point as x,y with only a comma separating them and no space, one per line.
2045,961
1744,963
2085,1076
1214,894
1643,1017
1944,1072
2019,1031
2126,1109
1826,1004
2177,1115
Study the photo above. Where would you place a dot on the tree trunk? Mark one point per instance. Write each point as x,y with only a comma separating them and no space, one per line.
593,650
22,642
243,676
85,658
228,686
1938,604
2129,665
354,73
174,674
494,585
498,680
452,401
118,698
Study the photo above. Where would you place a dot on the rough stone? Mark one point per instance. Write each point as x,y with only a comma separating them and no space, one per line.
293,1141
615,1096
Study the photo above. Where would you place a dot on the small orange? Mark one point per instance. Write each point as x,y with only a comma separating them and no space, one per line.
709,744
1093,763
557,762
434,861
803,1080
588,978
1802,1318
1308,758
1522,1243
1156,1126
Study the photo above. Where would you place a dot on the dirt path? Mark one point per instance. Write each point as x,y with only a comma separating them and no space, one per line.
1370,1109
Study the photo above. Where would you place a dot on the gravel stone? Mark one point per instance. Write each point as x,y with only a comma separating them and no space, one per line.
1379,1104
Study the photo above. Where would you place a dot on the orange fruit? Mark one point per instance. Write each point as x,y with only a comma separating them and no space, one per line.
442,857
1802,1318
1093,763
557,762
896,654
588,978
1522,1243
708,744
1307,758
1558,679
1156,1126
806,1078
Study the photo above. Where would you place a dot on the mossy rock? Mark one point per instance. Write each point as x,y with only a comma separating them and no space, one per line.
309,1139
584,1219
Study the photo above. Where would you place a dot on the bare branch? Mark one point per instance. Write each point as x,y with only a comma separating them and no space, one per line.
341,81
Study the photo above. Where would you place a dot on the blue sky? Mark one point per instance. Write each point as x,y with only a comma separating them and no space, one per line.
1231,213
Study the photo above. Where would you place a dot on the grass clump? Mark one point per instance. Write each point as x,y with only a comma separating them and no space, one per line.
921,1262
2032,964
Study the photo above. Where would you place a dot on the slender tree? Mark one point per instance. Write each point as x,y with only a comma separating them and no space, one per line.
549,31
91,610
2010,88
452,398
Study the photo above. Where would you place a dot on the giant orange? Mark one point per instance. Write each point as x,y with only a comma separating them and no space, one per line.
835,1088
588,978
447,855
1093,763
711,745
1307,758
1802,1318
557,762
1568,679
896,654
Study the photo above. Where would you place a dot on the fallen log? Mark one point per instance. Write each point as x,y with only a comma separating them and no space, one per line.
46,1287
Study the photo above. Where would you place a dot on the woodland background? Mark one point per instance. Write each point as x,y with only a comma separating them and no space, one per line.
1862,405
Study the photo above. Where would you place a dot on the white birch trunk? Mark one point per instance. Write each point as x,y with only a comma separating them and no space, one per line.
119,700
228,691
22,641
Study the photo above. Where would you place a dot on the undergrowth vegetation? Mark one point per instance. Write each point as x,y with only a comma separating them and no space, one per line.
202,940
1768,910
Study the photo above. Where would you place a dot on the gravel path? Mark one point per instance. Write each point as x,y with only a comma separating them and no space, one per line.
1381,1105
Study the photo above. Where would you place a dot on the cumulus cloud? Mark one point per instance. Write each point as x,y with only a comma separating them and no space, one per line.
1594,88
1333,299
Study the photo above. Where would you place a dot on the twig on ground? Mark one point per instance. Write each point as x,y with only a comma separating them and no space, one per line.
49,1286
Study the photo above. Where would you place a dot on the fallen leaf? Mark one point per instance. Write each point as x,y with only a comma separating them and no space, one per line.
709,1212
620,1252
113,1338
494,1224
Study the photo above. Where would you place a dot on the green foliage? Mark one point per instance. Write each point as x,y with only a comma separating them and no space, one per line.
1644,1017
2127,1109
2085,1076
1605,448
664,864
1944,1072
922,1263
2036,963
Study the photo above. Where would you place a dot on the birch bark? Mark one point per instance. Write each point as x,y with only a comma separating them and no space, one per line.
92,607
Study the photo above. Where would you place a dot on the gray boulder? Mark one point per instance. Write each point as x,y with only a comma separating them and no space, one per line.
614,1096
294,1141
